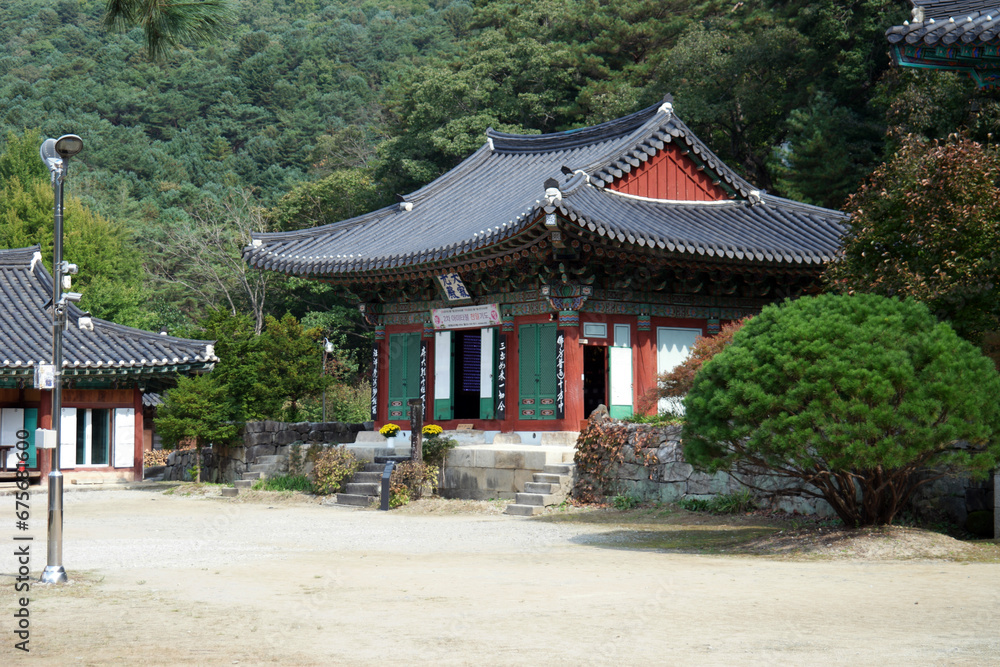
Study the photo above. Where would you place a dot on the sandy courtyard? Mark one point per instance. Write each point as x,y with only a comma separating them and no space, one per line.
165,579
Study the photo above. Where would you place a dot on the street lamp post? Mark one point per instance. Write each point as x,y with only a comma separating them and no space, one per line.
56,154
327,349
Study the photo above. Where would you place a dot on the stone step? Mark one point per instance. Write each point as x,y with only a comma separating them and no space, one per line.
382,460
367,477
251,475
538,499
524,510
229,492
541,487
374,467
551,478
267,468
354,499
560,468
361,488
244,483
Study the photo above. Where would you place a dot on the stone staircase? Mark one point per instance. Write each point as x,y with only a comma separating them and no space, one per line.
546,488
262,468
362,490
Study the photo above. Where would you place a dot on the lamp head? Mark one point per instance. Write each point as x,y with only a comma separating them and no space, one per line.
68,145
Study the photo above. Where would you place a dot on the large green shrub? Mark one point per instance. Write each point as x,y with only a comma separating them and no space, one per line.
852,399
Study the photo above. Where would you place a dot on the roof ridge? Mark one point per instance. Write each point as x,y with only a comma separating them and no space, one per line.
802,206
584,136
18,256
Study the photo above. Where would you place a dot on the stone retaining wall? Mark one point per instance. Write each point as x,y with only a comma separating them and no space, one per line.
670,478
226,464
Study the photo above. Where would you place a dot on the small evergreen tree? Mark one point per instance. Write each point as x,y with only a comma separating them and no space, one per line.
198,411
857,400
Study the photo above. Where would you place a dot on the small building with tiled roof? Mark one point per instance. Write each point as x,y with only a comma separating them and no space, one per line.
956,35
548,274
107,371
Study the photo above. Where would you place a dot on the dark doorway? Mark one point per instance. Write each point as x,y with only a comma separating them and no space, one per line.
468,352
595,378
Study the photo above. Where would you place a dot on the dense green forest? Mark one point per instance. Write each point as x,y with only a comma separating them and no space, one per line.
310,111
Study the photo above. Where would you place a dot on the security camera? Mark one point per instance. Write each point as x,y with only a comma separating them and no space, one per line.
72,296
71,269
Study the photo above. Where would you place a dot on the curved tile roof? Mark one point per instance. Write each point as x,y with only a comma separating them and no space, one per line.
498,191
773,230
949,22
26,329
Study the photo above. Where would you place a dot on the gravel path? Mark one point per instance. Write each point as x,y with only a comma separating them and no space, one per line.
165,580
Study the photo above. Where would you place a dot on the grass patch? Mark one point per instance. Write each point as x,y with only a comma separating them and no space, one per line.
284,483
738,502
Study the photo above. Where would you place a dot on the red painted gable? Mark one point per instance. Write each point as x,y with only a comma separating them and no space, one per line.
669,175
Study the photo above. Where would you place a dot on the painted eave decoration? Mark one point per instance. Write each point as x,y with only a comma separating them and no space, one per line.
91,349
951,35
506,189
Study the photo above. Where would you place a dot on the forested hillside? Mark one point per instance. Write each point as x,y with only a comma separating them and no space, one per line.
310,111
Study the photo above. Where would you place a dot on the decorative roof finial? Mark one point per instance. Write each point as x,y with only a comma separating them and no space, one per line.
917,14
553,195
668,105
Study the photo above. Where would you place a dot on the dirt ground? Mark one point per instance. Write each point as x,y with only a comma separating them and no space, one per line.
169,579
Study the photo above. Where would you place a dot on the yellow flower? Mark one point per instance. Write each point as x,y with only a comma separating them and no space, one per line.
389,430
432,430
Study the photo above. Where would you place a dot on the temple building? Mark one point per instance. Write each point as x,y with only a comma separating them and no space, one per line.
110,375
549,274
956,35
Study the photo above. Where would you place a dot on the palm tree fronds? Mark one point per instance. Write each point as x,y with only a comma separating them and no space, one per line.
167,23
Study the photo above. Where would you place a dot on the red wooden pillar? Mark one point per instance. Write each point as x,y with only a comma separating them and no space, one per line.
573,351
512,401
644,365
137,462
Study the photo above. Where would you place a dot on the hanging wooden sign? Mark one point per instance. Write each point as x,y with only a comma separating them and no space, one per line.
423,378
453,287
501,397
560,374
466,317
375,382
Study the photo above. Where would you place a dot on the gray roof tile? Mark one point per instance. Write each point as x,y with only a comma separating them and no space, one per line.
950,21
498,191
26,329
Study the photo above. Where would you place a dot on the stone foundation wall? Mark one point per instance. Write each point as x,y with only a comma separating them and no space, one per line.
486,471
226,464
671,478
